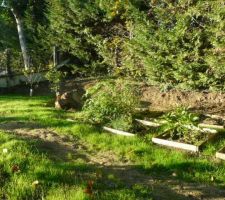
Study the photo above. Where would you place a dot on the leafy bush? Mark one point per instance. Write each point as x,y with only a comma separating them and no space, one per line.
112,101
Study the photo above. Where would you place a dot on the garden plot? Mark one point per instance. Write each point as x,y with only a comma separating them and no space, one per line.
134,127
180,143
118,132
177,129
183,130
135,130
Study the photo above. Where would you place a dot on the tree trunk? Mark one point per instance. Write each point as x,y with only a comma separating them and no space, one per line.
23,44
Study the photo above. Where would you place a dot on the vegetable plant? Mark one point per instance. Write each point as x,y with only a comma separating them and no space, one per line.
182,125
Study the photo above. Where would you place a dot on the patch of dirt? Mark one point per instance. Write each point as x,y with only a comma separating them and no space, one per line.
67,148
105,159
163,188
209,102
157,100
168,188
59,146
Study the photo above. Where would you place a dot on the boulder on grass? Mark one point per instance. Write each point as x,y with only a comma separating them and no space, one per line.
70,99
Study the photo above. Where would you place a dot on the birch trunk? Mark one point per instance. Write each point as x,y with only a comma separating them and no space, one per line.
21,35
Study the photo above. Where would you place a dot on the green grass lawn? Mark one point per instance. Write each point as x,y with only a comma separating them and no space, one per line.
29,172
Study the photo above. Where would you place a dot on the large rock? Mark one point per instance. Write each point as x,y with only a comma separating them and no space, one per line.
70,99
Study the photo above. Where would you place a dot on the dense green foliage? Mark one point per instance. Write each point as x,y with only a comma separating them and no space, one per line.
112,102
172,43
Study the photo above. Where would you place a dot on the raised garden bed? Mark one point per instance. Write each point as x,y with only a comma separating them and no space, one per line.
118,132
136,128
211,126
207,132
178,129
221,154
165,140
148,123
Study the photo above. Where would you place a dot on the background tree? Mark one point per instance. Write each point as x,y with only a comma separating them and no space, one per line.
27,14
17,8
168,43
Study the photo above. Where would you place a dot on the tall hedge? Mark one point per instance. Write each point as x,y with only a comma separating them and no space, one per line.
173,43
183,43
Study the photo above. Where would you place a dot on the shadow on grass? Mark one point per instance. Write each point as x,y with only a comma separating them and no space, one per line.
11,119
156,182
165,186
57,119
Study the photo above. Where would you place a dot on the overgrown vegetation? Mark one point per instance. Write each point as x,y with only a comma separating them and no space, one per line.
112,102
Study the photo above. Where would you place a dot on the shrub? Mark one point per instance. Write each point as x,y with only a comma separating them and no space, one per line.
55,77
111,101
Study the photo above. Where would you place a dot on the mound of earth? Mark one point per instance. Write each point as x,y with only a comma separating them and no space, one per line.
210,102
153,97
